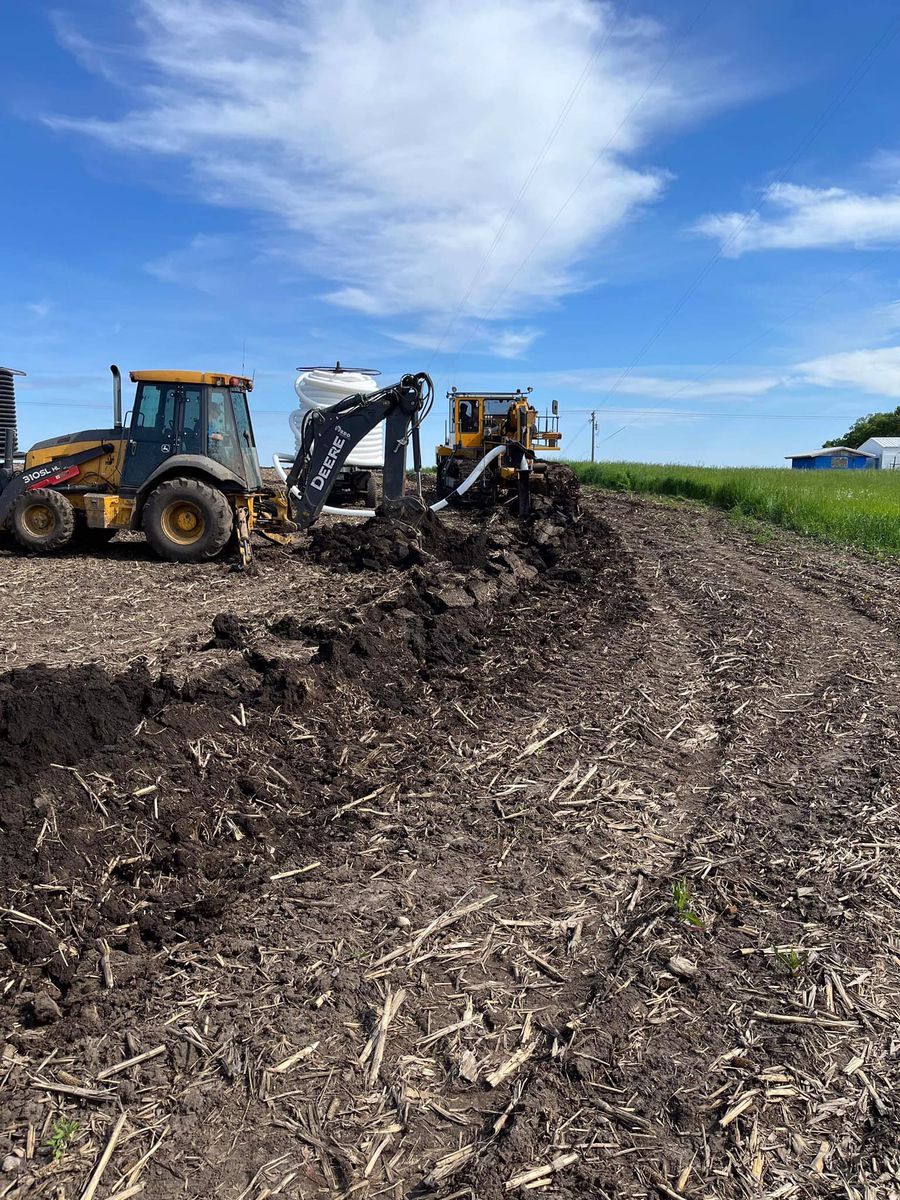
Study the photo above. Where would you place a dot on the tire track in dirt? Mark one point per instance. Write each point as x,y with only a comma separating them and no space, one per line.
800,786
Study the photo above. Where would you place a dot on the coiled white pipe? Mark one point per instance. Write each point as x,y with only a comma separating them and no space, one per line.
436,507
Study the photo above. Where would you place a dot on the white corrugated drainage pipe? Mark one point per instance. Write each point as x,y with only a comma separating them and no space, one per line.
436,507
470,479
319,390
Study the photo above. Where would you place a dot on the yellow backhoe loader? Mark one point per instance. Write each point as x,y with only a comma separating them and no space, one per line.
184,467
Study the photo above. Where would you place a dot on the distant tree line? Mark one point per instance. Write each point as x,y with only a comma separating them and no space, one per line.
883,424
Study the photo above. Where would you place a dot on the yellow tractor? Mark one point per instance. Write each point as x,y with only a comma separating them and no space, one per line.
491,446
184,470
184,467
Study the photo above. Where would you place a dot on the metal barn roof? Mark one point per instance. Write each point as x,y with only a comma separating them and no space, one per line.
823,450
886,443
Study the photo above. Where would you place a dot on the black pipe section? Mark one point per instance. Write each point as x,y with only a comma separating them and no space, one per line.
117,396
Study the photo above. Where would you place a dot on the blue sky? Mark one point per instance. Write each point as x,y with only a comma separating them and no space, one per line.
682,215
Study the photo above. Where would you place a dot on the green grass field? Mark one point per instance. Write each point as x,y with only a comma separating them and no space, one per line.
859,508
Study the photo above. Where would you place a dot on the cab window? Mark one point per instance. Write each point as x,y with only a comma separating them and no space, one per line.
246,440
242,418
222,439
468,415
190,440
154,413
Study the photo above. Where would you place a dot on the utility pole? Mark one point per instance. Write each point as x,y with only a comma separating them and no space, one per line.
593,433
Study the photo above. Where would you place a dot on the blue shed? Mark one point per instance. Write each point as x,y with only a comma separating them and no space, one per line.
830,458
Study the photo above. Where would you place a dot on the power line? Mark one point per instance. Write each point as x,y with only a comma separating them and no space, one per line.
804,144
775,325
26,404
750,416
576,437
768,329
675,412
685,31
526,183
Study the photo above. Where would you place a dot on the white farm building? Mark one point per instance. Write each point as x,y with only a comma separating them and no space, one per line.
886,451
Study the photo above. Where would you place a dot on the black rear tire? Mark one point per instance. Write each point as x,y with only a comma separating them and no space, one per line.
43,521
187,521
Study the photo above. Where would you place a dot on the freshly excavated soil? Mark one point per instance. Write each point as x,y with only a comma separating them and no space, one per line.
381,878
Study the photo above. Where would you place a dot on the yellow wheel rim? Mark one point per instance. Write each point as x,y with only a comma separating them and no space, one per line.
183,522
39,520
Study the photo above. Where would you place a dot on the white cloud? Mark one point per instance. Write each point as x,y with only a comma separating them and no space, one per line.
875,371
198,265
387,142
512,343
40,308
107,61
664,387
477,338
801,218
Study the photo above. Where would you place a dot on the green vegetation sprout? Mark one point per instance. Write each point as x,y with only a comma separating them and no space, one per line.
681,898
64,1129
791,962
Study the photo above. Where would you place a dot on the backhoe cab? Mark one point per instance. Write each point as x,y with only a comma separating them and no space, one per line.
504,427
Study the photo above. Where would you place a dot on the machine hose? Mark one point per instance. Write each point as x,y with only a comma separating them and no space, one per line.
436,507
470,478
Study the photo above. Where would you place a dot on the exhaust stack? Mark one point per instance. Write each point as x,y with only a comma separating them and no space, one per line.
9,425
117,396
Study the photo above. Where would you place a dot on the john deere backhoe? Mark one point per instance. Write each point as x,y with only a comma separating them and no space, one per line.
185,470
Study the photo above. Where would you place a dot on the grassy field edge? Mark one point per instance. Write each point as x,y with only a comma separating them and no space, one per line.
856,508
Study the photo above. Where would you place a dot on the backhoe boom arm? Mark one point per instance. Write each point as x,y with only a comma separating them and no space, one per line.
329,436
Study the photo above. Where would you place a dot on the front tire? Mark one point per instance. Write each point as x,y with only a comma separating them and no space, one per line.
188,521
43,521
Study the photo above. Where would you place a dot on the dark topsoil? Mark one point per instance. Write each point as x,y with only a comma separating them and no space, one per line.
389,880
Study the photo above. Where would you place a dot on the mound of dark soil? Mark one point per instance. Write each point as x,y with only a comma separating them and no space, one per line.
378,544
49,715
429,629
375,545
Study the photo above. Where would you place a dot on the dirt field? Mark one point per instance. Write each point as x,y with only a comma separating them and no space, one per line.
558,859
